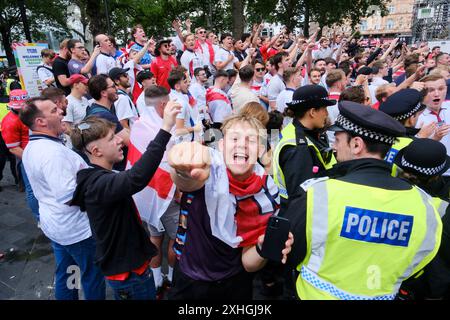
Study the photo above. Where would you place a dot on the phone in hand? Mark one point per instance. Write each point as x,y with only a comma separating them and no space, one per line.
277,233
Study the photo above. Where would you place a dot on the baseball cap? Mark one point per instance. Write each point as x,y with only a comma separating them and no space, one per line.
115,73
77,78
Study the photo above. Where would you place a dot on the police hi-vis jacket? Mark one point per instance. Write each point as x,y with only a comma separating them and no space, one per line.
362,241
289,138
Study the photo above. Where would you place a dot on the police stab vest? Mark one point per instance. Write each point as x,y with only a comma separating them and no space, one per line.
289,139
363,242
396,147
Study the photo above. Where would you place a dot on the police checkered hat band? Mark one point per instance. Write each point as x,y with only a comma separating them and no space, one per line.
307,100
409,114
350,126
425,171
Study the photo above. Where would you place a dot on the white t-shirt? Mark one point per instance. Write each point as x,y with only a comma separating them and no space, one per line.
222,56
427,117
219,105
376,82
188,112
276,85
178,43
52,170
104,63
76,109
284,97
44,74
241,95
131,73
203,52
125,109
140,104
191,61
199,93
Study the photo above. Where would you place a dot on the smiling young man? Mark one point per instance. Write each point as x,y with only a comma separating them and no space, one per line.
123,248
226,203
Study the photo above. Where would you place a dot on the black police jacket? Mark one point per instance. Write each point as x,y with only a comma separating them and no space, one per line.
297,162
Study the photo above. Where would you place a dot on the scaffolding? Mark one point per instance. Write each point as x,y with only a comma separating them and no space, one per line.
431,20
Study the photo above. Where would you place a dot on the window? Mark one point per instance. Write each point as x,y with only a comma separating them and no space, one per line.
363,26
391,9
390,24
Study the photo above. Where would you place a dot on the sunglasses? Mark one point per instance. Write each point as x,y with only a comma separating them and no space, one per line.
260,69
83,126
203,31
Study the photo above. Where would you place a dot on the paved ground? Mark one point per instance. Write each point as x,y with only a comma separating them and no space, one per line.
26,268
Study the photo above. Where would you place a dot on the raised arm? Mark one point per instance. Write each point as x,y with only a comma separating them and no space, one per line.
142,52
90,64
190,162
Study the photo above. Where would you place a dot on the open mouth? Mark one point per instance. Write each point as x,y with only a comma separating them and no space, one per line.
240,158
437,100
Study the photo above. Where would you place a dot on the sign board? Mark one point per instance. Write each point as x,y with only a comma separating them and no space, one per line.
425,13
28,58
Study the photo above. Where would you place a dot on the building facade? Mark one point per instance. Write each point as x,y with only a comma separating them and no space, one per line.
397,23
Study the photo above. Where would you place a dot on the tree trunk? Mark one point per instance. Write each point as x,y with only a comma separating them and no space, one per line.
306,23
96,15
6,42
291,22
23,17
237,10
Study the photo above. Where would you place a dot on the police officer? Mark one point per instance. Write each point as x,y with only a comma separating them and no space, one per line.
422,163
359,234
303,151
405,106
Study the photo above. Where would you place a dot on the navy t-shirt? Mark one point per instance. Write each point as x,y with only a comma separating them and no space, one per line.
102,112
203,256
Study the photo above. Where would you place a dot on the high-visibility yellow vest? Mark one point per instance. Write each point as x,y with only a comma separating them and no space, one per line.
396,147
362,242
289,139
8,83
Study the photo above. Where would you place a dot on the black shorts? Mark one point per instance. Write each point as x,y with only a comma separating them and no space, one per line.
237,287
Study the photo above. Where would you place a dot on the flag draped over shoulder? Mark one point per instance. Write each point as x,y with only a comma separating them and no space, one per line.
155,198
238,220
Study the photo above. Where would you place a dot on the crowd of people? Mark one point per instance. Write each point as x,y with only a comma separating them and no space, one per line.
203,137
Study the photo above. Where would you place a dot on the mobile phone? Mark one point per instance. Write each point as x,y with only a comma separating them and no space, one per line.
440,123
277,232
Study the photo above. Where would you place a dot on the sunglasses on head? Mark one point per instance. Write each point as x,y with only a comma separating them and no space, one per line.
83,126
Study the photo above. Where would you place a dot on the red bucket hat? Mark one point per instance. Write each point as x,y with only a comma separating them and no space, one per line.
18,98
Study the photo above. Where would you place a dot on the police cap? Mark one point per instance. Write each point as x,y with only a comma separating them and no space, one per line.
367,123
403,104
310,96
423,157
